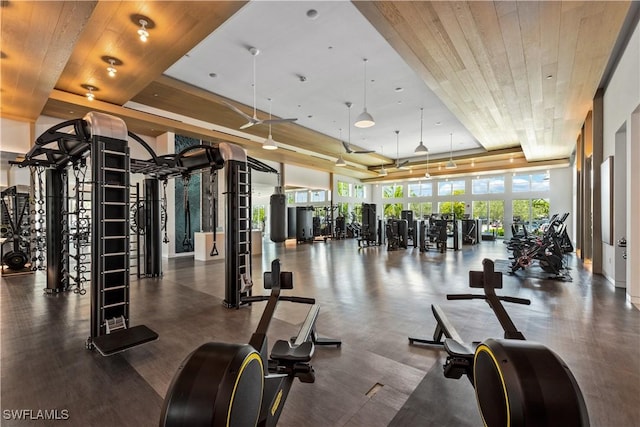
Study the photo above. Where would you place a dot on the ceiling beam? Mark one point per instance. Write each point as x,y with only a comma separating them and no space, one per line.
68,106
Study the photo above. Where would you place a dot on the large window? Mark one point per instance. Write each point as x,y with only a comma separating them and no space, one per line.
531,182
421,190
392,210
291,197
491,213
394,191
540,182
344,189
356,214
360,191
450,188
448,207
534,213
488,185
421,210
343,210
258,217
318,196
302,196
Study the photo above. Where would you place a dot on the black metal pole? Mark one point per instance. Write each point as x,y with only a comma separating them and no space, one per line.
55,211
152,234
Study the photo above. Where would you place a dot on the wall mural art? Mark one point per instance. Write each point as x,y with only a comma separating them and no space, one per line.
184,241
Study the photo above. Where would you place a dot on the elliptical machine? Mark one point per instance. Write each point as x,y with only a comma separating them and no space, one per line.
517,382
222,384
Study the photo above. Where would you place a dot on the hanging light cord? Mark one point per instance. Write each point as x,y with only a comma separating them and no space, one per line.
254,86
365,83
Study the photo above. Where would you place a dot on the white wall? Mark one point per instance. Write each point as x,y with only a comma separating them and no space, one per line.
15,136
621,100
306,178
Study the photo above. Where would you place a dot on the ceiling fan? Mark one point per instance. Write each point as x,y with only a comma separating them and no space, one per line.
398,164
347,145
349,150
251,121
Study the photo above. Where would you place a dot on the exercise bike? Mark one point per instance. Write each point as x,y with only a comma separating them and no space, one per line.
222,384
517,382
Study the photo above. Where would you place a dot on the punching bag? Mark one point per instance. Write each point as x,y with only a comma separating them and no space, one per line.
291,222
278,203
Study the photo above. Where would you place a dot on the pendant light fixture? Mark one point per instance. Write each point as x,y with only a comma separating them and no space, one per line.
269,143
91,89
364,120
421,148
383,171
427,174
111,69
142,32
451,164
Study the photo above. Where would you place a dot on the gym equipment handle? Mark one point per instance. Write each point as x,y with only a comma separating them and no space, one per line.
254,298
258,298
465,296
516,300
502,298
301,300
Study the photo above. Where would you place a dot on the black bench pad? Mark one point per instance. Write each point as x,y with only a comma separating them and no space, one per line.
123,339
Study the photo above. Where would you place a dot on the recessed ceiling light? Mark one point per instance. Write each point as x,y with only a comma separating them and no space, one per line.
309,116
399,89
155,94
213,75
330,47
312,14
549,77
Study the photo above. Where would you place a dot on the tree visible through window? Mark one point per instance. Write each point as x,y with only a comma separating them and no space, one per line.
344,189
394,191
392,210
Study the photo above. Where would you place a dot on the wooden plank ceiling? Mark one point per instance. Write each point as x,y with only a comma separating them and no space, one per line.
512,72
38,38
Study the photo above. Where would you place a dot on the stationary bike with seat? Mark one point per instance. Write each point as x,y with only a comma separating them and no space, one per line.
517,382
222,384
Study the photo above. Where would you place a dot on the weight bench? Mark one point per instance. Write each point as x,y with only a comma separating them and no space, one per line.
123,339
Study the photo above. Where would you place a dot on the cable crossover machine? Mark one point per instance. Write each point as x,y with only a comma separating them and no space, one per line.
84,216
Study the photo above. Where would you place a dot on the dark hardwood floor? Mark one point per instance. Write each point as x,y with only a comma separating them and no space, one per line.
371,299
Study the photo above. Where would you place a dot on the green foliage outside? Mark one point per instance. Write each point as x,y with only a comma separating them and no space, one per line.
540,209
421,209
458,208
392,192
258,217
521,209
343,189
357,210
392,210
343,210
